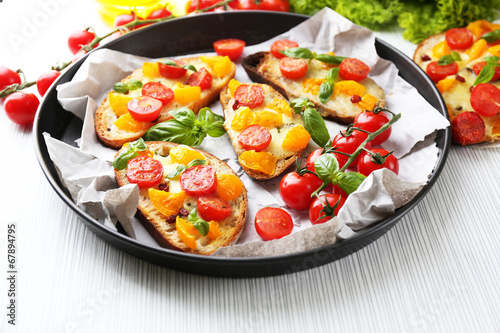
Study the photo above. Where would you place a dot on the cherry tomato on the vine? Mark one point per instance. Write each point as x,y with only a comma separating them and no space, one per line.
366,164
213,208
467,128
485,99
159,13
231,47
350,143
199,180
459,38
123,19
8,77
273,223
21,107
438,72
319,211
275,5
353,69
144,108
293,68
296,189
193,5
372,122
78,39
144,171
281,45
255,137
201,78
45,80
341,159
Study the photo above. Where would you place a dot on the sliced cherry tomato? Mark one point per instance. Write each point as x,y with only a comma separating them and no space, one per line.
349,144
437,72
281,45
199,180
144,108
202,78
459,38
158,91
319,212
212,208
21,107
478,66
467,128
8,77
341,159
485,99
255,137
249,95
171,71
296,190
275,5
372,122
45,81
78,39
232,47
353,69
293,68
273,223
367,164
144,171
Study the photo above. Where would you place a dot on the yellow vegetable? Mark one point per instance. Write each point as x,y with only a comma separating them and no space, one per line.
167,203
210,60
281,106
229,186
296,139
185,232
495,50
243,118
127,123
368,102
185,94
445,84
440,49
184,155
233,85
150,70
118,103
258,161
268,119
477,49
223,66
213,231
312,85
349,87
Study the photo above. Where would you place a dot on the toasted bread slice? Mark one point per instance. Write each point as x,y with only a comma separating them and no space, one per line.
165,233
274,104
263,67
106,117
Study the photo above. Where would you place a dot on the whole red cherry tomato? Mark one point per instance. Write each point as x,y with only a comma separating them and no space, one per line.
296,189
231,47
123,19
246,4
255,137
293,68
193,5
21,107
8,77
158,14
353,69
78,39
372,122
281,45
275,5
45,81
368,163
201,78
350,143
438,72
213,208
273,223
144,108
341,159
320,212
467,128
158,91
144,171
249,95
199,180
485,99
459,38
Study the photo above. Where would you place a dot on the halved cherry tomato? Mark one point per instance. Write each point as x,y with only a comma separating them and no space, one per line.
45,81
317,211
158,91
349,144
213,208
293,68
144,108
478,66
144,171
366,164
459,38
296,190
273,223
202,78
437,72
372,122
199,180
281,45
249,95
255,137
353,69
232,47
467,128
171,71
485,99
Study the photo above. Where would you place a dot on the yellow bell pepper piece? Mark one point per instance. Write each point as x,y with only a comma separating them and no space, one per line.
167,203
445,84
243,118
233,85
258,161
368,102
213,231
268,119
127,123
210,60
296,139
281,106
185,94
481,26
229,186
223,66
477,49
150,70
185,232
441,49
312,85
349,87
118,103
184,155
495,50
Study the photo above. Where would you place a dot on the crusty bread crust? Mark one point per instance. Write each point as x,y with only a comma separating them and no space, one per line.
282,164
105,117
263,67
165,233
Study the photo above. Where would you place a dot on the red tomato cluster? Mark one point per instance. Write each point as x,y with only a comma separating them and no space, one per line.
274,5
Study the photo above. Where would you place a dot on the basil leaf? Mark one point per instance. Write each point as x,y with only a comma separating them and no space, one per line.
491,36
351,181
325,91
122,159
330,59
121,88
190,67
166,130
332,74
196,162
492,60
188,139
486,74
449,59
298,104
200,224
177,171
315,125
134,84
206,117
138,145
216,129
327,167
299,52
185,116
169,62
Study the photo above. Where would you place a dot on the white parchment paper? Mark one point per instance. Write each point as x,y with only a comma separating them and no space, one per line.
89,175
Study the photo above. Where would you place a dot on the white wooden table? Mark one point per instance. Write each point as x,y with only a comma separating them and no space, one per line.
437,270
